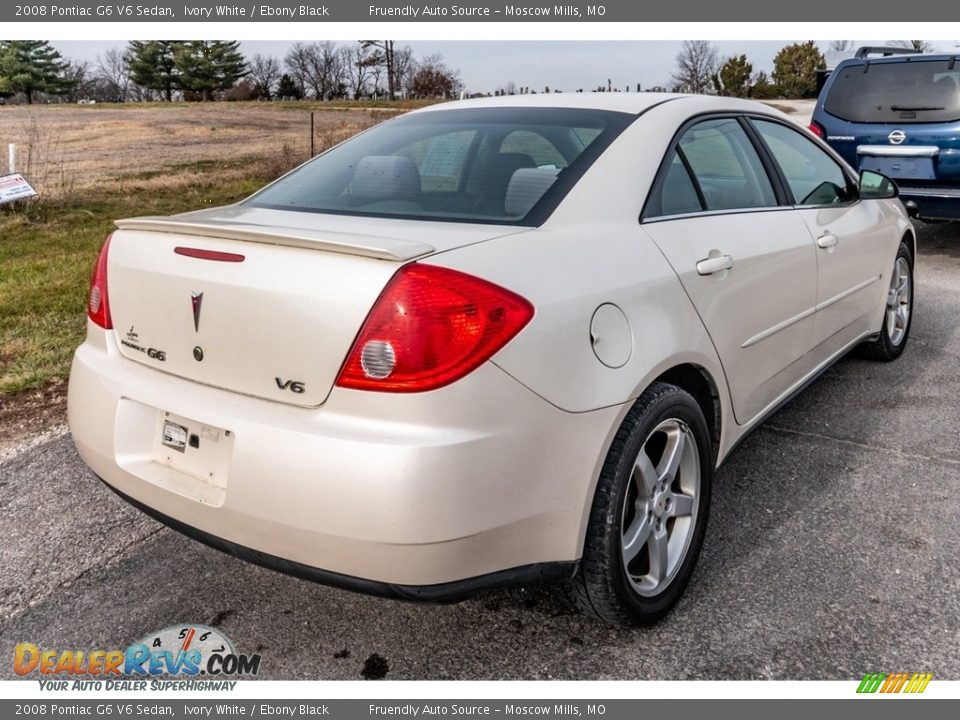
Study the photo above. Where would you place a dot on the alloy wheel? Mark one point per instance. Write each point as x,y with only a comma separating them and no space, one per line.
660,507
898,302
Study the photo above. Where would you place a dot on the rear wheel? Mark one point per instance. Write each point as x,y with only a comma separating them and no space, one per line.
898,313
649,512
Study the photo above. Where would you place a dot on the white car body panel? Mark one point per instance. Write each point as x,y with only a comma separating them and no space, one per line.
497,470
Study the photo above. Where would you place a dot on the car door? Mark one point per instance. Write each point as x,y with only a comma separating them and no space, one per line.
745,259
851,236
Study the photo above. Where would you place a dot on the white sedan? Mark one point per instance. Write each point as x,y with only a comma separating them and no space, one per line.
487,343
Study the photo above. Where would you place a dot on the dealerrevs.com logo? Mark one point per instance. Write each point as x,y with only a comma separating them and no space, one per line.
180,657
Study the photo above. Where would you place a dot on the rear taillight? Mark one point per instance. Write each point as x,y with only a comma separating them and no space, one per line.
817,129
98,305
430,327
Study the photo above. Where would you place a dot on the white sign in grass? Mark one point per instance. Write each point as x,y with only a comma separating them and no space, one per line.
15,187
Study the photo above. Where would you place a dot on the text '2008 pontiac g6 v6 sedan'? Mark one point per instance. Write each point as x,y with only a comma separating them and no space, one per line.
487,343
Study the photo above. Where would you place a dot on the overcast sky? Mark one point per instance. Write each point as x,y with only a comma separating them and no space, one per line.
485,65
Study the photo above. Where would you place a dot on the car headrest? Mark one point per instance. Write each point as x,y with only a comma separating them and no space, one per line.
527,186
385,177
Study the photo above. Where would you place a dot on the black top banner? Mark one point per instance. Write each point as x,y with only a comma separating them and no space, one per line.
477,11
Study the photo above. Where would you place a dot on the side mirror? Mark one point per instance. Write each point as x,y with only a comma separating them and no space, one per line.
875,186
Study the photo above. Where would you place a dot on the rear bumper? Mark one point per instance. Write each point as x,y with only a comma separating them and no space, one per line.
424,496
439,593
934,203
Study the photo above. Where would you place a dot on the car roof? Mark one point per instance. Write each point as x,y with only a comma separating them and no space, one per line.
626,102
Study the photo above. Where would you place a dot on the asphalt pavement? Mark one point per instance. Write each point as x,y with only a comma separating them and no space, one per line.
833,549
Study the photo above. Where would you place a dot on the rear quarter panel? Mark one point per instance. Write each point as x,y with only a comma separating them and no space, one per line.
592,251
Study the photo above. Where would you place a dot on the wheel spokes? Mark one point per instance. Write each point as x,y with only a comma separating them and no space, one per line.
645,475
636,537
659,557
672,454
660,506
681,505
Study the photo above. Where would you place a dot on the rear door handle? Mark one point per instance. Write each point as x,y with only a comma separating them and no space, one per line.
827,241
709,266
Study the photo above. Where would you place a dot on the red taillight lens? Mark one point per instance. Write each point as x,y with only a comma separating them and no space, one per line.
430,327
98,305
817,129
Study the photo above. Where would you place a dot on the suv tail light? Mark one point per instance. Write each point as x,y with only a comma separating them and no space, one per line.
98,305
430,327
817,129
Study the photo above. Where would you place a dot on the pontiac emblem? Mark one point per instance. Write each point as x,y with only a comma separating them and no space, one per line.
196,298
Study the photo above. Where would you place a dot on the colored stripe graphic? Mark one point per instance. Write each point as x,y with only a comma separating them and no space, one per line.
884,683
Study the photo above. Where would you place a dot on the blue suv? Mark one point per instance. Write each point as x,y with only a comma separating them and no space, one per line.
898,115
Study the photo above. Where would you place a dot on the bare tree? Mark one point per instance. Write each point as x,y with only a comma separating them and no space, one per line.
360,60
78,76
920,45
840,46
403,66
113,68
265,74
297,62
432,78
388,58
696,65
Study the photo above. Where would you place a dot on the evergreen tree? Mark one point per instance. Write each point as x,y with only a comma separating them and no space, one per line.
151,65
207,66
795,69
31,66
288,88
734,76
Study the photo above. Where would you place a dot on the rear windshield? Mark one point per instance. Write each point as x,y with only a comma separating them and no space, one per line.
897,92
495,165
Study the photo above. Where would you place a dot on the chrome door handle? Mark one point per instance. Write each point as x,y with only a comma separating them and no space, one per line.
827,241
711,265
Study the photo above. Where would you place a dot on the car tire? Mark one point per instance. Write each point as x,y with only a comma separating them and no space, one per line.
898,312
621,580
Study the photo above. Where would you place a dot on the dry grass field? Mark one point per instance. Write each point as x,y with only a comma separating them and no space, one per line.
65,149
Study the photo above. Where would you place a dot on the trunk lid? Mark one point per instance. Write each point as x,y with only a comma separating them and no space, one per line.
275,311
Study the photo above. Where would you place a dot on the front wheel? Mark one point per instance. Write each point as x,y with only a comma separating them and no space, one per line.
649,512
898,313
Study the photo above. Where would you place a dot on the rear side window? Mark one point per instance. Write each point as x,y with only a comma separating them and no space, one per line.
726,166
896,92
813,176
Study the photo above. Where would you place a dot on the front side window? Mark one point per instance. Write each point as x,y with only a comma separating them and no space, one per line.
812,175
725,166
498,165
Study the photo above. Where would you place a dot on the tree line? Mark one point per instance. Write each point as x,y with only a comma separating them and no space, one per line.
201,70
701,70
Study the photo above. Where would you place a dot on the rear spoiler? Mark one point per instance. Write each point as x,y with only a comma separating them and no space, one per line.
347,243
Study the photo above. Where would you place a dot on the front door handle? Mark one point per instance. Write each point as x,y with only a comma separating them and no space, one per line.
711,265
827,241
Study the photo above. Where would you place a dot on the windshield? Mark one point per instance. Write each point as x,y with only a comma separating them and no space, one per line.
897,92
496,165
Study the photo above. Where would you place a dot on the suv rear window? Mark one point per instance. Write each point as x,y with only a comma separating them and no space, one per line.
921,91
488,165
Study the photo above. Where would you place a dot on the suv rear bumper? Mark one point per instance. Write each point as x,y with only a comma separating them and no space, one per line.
934,203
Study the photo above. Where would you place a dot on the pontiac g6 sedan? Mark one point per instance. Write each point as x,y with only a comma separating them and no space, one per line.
487,343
